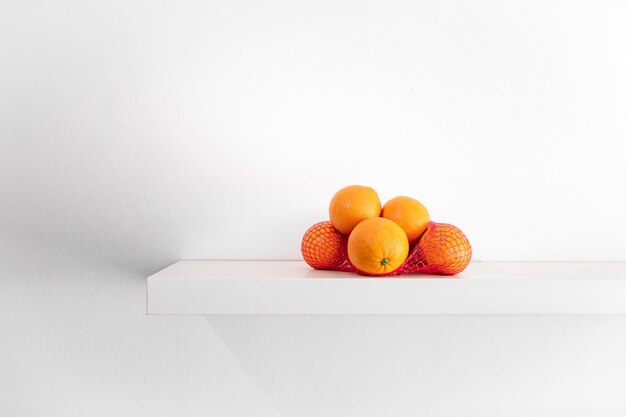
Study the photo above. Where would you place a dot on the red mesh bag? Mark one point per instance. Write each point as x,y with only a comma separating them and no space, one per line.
323,247
443,249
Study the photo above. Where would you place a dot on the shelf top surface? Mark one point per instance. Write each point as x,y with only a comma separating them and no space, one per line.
216,269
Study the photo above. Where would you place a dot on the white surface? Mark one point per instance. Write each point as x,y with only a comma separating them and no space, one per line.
221,129
291,287
133,134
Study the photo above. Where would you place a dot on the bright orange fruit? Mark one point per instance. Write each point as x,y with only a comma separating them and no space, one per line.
351,205
444,249
322,246
377,246
409,214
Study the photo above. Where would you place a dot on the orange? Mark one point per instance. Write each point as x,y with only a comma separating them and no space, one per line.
377,246
351,205
409,214
322,246
445,249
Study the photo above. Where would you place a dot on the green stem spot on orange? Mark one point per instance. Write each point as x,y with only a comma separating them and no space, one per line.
384,261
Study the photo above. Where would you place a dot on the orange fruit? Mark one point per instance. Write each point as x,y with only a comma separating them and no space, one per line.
377,246
322,246
351,205
445,249
409,214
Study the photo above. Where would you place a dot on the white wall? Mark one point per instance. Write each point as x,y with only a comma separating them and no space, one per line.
135,134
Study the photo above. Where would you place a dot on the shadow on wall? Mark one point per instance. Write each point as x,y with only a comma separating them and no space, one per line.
142,221
79,226
434,365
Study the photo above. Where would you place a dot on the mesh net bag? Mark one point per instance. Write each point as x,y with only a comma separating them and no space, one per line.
323,247
443,249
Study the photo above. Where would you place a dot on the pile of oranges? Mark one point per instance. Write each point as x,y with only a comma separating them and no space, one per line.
364,237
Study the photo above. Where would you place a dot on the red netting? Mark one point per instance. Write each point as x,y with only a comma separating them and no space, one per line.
443,249
323,247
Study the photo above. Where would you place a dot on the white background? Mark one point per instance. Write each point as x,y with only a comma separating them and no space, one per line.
136,133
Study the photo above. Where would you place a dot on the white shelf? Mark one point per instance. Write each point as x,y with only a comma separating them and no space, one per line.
291,287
